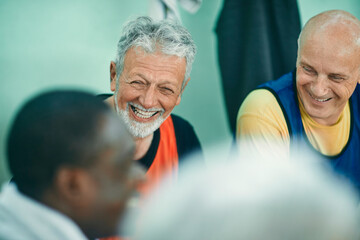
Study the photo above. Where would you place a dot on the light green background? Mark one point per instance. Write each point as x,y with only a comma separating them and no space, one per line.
70,43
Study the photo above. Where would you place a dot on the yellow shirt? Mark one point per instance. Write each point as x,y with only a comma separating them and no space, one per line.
261,125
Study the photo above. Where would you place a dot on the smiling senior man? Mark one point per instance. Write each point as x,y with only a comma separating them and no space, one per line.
318,104
152,68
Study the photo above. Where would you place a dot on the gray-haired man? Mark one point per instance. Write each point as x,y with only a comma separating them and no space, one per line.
152,68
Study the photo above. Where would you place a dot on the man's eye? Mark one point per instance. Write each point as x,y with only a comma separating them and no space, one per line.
167,90
336,78
307,69
136,82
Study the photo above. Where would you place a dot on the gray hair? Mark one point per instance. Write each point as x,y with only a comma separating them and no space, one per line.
169,37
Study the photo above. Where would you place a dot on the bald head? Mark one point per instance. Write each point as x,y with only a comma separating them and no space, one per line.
337,26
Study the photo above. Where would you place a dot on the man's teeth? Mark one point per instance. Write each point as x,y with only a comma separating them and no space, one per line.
320,99
143,114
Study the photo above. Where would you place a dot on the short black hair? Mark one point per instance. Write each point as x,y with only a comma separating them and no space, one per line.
53,129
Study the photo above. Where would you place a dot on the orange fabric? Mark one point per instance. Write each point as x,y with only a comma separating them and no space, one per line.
165,164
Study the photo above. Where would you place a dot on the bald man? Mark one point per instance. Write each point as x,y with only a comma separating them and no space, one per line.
317,105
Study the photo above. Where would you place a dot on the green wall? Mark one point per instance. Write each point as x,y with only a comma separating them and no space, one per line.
69,44
309,8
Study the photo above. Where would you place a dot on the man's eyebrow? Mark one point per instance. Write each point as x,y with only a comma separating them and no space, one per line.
306,64
168,82
339,75
142,76
145,78
138,75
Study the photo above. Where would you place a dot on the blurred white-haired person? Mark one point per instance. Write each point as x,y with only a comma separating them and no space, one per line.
252,199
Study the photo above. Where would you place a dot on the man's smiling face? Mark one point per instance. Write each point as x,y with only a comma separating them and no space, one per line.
150,86
328,70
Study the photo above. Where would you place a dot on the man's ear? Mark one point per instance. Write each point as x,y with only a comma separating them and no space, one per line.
112,76
182,90
74,184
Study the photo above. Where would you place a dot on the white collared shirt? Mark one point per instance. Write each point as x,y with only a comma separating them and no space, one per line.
22,218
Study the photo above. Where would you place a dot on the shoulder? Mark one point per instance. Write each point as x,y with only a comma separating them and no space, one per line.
260,102
261,113
180,122
356,93
183,128
186,138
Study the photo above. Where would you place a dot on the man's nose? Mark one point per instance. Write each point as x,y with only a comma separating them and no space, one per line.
319,87
148,97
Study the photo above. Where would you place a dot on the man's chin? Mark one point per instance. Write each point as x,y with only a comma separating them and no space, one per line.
143,130
137,134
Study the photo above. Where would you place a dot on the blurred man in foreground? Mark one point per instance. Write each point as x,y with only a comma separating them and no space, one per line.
71,161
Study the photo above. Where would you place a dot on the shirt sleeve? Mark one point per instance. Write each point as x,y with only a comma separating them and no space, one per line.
186,140
261,126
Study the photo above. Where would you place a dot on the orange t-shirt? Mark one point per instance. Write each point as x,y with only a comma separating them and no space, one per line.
165,164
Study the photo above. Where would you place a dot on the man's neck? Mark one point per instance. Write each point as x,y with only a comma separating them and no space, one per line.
142,145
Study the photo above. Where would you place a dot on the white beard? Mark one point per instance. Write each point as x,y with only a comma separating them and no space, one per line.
139,129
